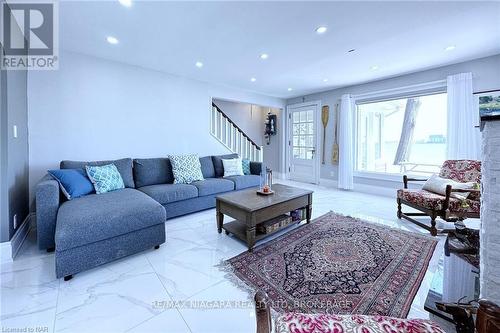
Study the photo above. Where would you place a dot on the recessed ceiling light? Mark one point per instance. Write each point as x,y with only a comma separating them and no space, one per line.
126,3
321,30
374,68
264,56
199,64
450,48
253,79
289,89
325,80
112,40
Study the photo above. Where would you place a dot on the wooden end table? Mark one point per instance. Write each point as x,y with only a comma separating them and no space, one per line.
250,209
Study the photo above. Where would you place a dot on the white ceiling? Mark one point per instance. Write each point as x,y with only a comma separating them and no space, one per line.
228,37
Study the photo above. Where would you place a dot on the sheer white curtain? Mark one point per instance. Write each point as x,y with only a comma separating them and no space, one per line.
463,138
346,144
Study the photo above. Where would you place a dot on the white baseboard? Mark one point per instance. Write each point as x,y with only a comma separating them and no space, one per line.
376,190
362,188
11,248
328,183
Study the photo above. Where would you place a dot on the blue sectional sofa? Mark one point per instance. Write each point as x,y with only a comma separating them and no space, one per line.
98,228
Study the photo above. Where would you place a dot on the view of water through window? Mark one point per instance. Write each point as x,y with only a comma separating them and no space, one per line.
406,135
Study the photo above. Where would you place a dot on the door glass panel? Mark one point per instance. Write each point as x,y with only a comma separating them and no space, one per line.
302,153
309,141
310,128
303,117
303,134
303,128
310,116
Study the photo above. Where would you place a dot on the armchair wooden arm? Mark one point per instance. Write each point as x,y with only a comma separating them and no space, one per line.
406,179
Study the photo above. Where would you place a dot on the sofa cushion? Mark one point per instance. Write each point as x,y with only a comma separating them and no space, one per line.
152,171
96,217
241,182
167,193
218,167
207,167
213,186
123,165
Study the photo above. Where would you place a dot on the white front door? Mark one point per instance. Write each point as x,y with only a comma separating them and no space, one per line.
303,147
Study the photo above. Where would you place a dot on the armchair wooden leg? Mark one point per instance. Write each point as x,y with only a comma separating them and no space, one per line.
262,313
400,213
433,225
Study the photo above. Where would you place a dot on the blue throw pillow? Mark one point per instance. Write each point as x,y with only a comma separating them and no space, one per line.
105,178
245,164
73,182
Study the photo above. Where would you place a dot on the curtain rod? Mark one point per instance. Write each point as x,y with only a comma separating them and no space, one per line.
485,91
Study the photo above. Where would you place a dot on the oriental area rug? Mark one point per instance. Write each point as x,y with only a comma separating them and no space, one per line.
338,265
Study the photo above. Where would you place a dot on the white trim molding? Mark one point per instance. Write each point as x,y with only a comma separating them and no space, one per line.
362,188
433,86
11,248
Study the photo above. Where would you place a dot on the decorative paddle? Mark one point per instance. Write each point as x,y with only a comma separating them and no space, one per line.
335,153
325,114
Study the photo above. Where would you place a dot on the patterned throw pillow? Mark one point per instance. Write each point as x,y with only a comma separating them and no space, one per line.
105,178
186,168
232,167
245,164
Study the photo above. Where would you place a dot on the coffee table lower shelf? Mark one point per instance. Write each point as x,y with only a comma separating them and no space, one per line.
239,229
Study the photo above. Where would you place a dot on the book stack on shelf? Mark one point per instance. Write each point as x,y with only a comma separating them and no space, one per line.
281,221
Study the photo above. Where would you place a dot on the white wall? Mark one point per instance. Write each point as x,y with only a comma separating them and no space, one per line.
93,109
486,73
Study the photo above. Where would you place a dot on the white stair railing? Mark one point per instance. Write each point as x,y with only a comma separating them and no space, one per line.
230,135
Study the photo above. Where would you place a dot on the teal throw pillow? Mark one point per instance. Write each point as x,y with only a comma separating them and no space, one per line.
246,166
105,178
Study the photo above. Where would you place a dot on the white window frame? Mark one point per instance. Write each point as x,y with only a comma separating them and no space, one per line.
434,87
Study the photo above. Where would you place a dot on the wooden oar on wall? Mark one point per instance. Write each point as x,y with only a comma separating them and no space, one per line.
335,153
325,114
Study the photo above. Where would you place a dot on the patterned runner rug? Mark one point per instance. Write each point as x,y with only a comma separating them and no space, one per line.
338,265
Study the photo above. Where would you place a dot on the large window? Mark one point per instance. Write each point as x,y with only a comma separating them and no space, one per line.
405,135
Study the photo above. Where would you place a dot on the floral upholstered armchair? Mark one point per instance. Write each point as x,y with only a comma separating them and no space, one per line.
455,204
487,320
325,323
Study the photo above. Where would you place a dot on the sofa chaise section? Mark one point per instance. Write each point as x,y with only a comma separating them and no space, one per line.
99,228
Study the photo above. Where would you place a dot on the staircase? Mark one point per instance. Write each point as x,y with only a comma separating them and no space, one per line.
231,136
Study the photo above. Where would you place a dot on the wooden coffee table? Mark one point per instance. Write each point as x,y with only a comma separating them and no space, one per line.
249,209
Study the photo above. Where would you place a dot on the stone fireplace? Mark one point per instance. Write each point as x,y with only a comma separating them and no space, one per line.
490,213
